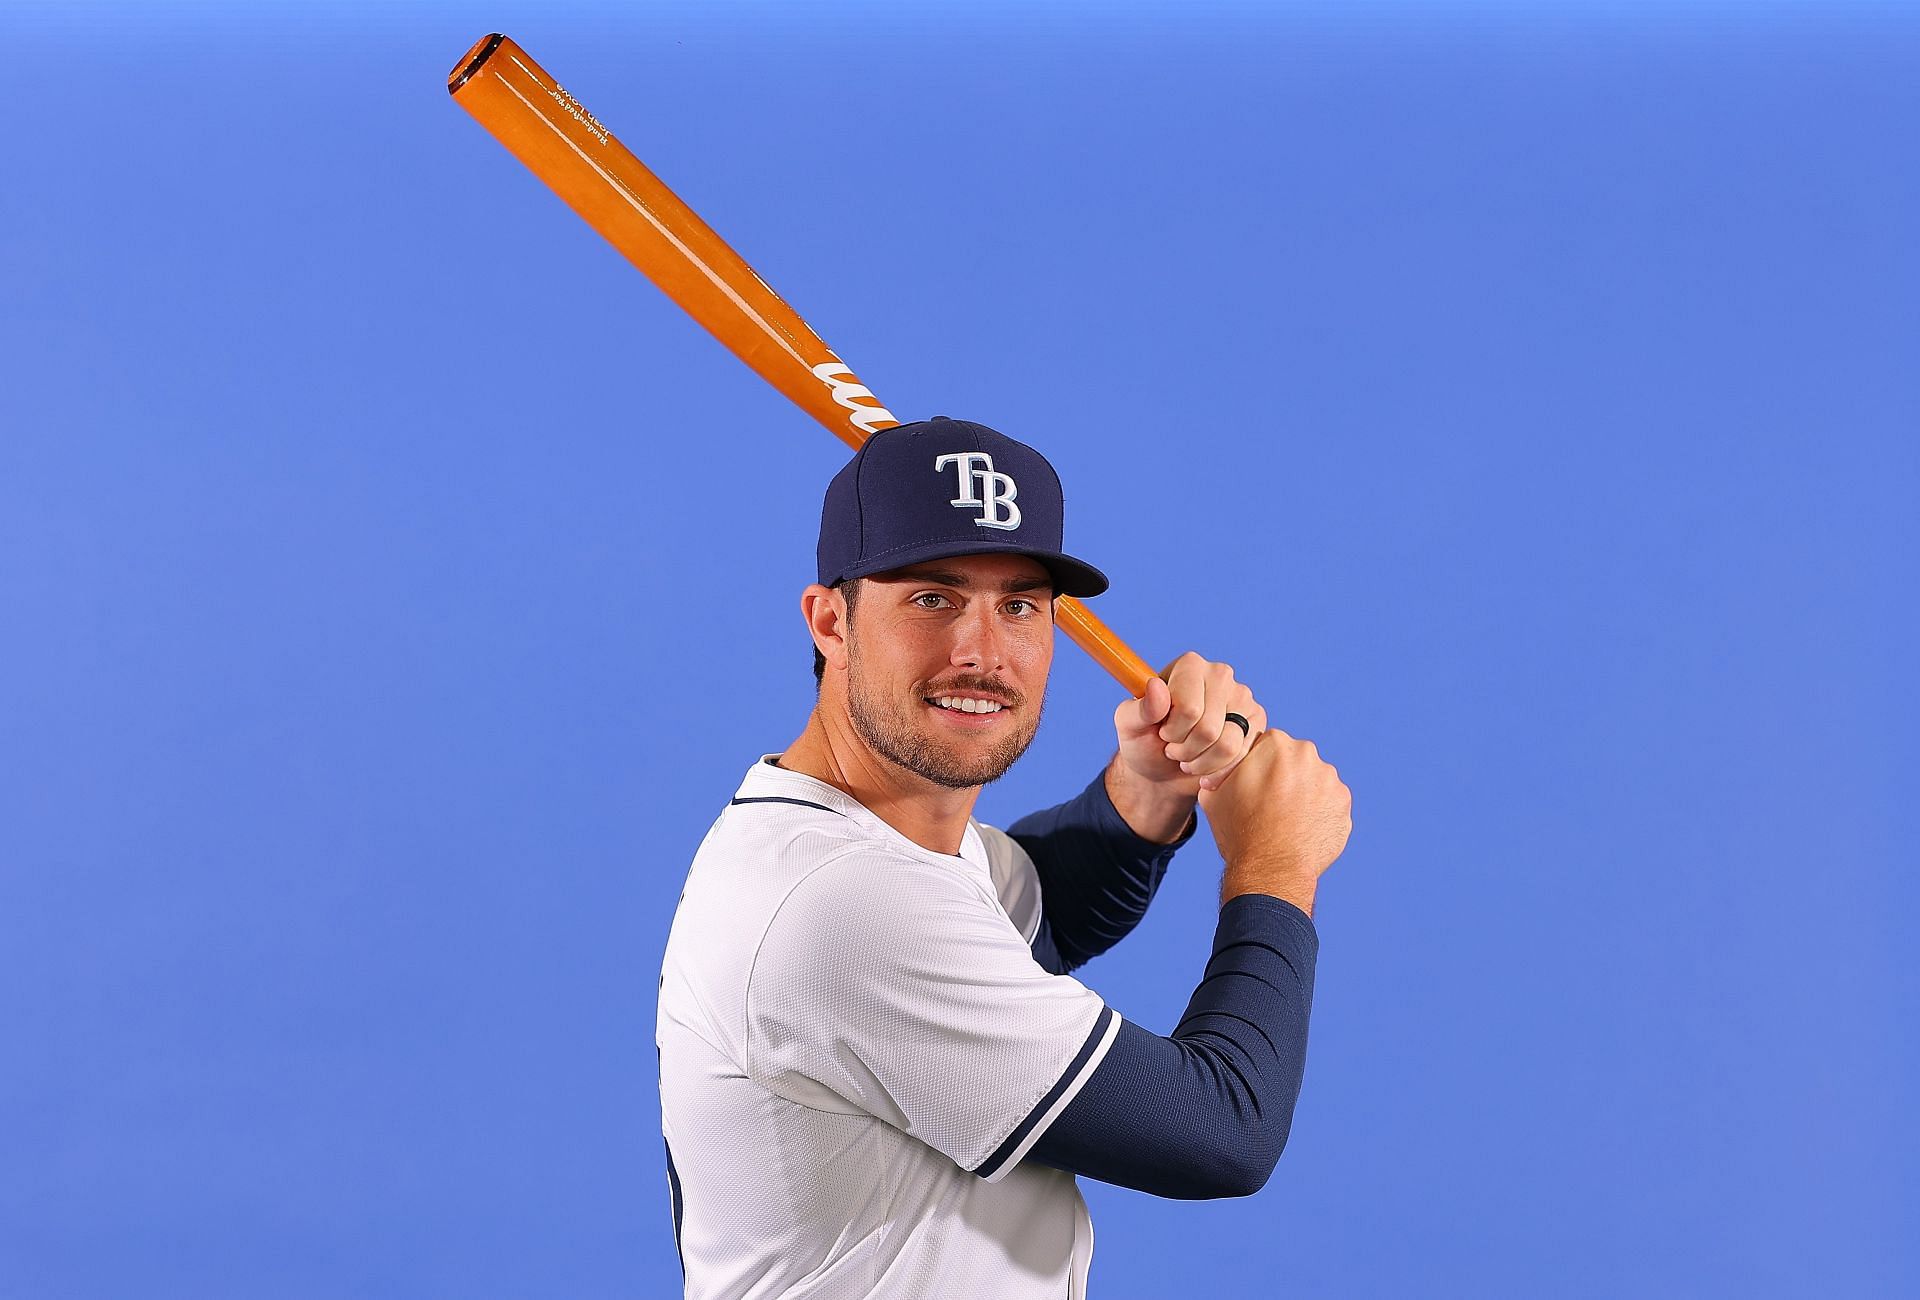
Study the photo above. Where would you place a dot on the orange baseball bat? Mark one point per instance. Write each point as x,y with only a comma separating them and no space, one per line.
599,178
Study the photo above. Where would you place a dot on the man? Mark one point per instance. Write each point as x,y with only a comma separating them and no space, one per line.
877,1076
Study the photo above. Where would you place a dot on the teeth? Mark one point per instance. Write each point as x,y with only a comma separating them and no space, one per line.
968,706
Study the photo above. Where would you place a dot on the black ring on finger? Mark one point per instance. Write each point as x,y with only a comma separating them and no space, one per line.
1246,728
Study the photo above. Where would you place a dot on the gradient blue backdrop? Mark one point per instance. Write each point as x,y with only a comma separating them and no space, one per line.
393,585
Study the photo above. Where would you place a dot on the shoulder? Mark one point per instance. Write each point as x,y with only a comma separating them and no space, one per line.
751,861
768,843
871,887
871,921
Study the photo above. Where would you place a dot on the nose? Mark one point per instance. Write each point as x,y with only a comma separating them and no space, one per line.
978,641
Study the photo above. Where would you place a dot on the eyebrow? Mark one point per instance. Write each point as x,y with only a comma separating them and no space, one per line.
948,578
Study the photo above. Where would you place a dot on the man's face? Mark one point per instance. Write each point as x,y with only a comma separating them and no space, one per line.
923,639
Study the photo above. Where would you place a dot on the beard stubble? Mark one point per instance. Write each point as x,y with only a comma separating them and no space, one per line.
889,729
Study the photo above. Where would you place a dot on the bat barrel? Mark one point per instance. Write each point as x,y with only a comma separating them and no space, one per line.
566,146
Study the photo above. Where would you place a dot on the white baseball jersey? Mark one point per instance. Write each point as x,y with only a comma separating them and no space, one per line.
856,1049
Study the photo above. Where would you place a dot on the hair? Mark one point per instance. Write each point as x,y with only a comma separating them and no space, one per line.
851,588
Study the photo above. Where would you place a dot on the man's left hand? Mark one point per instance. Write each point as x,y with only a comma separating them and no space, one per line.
1177,736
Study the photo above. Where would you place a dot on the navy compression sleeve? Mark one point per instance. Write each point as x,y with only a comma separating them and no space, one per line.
1096,875
1206,1112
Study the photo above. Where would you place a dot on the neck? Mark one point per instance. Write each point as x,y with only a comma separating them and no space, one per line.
932,816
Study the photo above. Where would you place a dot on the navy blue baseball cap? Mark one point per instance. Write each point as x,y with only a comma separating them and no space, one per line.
941,487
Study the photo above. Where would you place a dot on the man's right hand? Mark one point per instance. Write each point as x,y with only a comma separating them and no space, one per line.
1280,819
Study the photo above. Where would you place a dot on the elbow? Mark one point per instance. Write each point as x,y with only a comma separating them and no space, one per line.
1243,1182
1247,1174
1244,1168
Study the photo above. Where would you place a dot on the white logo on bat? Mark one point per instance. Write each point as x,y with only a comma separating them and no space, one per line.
978,481
847,392
579,112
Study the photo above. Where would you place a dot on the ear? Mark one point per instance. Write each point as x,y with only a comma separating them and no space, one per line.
825,611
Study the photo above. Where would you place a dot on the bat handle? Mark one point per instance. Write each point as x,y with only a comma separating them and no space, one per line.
1099,640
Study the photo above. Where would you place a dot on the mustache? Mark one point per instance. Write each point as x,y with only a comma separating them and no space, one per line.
980,686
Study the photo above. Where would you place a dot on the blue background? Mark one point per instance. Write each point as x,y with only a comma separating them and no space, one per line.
394,584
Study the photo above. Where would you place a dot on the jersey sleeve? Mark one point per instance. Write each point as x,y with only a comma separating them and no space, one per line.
899,988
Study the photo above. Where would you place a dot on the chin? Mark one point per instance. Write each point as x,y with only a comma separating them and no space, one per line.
962,767
931,749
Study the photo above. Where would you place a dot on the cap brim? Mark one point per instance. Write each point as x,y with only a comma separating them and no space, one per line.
1071,577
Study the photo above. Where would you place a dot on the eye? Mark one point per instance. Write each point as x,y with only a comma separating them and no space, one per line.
1031,606
926,595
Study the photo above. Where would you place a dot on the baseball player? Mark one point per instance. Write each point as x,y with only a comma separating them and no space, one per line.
878,1074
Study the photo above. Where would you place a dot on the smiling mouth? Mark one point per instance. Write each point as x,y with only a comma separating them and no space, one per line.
966,706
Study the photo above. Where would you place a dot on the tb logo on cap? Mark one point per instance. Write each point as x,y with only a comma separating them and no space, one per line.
983,488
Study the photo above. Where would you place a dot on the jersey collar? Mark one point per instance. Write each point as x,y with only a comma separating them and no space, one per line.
763,779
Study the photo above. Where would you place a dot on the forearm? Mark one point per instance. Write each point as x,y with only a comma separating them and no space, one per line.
1284,881
1206,1111
1097,874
